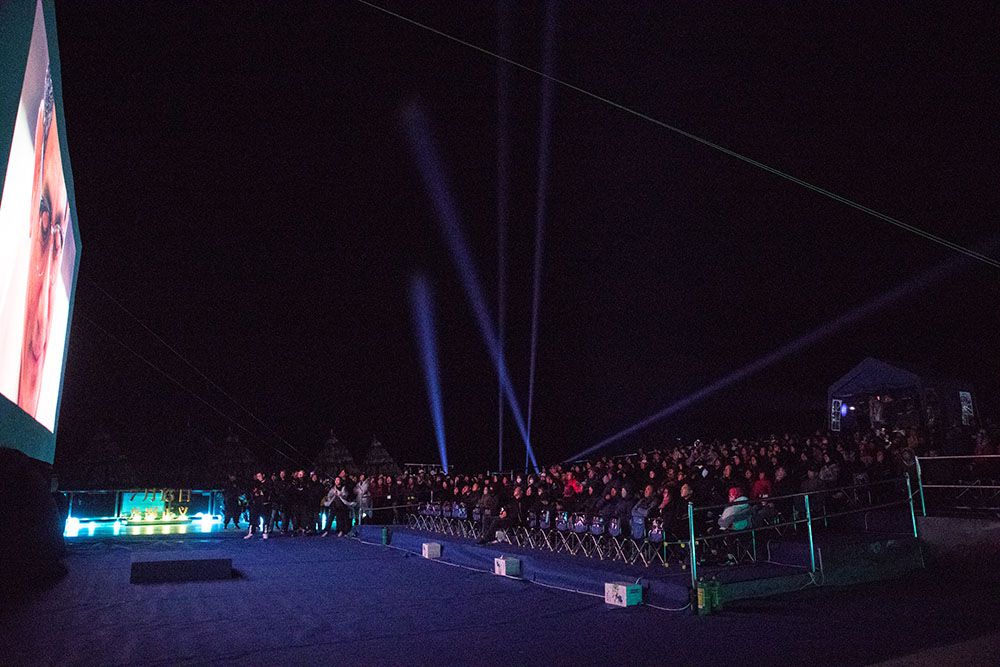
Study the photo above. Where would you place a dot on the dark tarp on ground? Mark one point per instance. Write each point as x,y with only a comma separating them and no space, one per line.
323,601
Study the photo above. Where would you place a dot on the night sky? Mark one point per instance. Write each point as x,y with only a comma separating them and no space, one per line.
245,188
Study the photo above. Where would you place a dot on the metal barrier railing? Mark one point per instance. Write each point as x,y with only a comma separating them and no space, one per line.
565,532
969,483
813,510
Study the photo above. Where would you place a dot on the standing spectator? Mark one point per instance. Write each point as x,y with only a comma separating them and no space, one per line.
340,508
363,497
260,505
231,501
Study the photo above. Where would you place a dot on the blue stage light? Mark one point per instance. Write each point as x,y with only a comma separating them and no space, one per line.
429,164
843,409
544,143
503,160
422,308
880,302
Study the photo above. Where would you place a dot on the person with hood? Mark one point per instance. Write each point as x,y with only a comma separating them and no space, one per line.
489,514
643,509
623,510
670,510
738,514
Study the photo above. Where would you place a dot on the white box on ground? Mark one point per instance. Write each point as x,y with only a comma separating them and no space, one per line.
431,550
506,566
622,593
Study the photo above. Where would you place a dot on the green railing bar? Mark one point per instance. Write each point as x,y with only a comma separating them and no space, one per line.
913,513
812,545
920,485
694,558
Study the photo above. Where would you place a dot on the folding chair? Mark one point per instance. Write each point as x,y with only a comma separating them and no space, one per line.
549,534
576,532
560,537
613,540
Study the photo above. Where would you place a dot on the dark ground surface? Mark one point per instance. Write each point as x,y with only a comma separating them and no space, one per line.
321,601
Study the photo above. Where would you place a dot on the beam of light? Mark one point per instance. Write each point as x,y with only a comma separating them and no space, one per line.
849,318
422,308
503,158
544,143
422,144
878,215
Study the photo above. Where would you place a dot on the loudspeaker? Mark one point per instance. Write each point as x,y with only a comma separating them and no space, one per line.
31,542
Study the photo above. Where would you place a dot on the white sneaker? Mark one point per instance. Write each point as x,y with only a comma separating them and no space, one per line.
265,536
248,536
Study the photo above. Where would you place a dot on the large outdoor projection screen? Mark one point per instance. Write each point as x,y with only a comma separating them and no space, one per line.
39,239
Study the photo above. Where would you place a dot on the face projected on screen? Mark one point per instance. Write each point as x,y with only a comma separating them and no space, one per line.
49,219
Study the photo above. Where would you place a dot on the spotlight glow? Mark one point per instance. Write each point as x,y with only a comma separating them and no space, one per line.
854,315
503,158
422,145
544,142
422,308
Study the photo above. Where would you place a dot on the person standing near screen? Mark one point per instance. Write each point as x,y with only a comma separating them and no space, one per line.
49,219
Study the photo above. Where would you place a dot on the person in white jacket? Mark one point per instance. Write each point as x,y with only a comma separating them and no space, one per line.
339,504
738,515
363,497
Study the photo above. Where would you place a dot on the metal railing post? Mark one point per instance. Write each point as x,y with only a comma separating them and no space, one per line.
920,485
694,558
812,545
913,513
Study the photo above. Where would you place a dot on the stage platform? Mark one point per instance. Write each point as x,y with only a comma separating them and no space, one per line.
317,600
782,566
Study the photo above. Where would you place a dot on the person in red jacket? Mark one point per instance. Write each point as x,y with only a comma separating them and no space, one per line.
572,486
762,487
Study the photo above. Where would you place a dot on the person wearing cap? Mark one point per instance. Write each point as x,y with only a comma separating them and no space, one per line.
737,515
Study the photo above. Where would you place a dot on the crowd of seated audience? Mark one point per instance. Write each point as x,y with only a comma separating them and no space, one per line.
636,489
630,491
